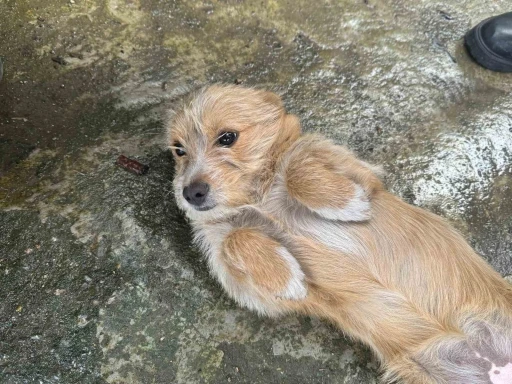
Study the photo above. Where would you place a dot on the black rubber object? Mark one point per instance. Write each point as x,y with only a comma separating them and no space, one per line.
490,43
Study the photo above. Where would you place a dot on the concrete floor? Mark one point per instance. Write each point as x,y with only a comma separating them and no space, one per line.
99,282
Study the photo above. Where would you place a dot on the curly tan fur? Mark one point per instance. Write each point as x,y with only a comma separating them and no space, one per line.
298,214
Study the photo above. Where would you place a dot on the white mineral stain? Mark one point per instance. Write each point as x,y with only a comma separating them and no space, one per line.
462,165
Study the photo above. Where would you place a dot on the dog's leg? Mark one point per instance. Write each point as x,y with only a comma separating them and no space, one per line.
256,259
480,352
333,186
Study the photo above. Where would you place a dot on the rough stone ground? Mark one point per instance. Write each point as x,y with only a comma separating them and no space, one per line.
99,281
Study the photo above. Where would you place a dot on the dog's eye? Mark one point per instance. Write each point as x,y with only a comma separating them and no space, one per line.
178,149
227,139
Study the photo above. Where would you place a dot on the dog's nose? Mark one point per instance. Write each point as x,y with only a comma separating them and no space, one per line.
196,193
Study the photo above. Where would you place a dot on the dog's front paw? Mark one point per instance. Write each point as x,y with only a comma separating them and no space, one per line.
358,208
296,288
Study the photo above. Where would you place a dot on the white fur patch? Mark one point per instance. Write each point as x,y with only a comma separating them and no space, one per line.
501,375
330,234
296,288
497,374
357,209
302,221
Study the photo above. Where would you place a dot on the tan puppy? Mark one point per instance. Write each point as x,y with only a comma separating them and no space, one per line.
292,222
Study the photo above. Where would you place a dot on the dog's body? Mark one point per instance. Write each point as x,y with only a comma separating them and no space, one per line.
295,223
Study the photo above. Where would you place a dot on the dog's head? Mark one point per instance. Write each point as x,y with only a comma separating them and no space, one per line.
225,141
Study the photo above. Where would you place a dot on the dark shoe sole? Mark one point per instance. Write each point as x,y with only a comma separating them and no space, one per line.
483,55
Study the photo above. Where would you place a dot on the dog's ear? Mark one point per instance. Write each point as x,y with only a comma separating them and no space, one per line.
274,99
291,126
289,132
268,107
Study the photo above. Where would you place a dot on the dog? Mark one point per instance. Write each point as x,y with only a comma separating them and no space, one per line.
291,222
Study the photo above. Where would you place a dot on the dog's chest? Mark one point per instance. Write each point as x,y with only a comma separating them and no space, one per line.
300,221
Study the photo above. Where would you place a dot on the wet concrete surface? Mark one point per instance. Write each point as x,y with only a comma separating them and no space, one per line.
99,281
